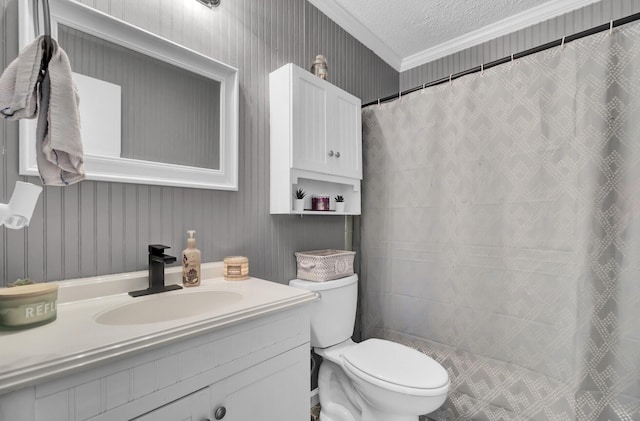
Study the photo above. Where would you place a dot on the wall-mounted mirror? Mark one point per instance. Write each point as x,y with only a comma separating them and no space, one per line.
152,111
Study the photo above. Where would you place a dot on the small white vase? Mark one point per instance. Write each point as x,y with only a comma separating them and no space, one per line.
340,207
298,205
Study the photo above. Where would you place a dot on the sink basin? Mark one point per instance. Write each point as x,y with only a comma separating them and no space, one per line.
165,307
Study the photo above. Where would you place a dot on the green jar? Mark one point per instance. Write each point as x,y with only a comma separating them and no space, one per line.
28,306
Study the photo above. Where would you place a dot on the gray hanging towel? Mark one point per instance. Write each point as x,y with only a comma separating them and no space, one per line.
18,91
59,145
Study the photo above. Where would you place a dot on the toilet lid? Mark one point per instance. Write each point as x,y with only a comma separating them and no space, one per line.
397,364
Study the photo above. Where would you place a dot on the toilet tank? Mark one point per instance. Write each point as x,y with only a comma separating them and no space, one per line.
334,314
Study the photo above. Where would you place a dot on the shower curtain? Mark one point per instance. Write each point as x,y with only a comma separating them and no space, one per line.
500,232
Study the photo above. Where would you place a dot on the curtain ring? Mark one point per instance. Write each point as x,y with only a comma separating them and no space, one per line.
378,102
511,57
400,95
562,45
482,69
424,85
611,28
450,80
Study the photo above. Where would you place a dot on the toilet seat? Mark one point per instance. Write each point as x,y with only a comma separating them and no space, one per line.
395,367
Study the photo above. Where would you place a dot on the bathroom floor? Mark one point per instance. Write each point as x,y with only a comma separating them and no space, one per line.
315,413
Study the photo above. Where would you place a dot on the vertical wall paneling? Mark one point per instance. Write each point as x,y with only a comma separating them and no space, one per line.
587,17
96,228
70,249
102,230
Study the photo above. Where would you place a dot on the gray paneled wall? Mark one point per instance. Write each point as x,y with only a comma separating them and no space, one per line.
551,30
97,228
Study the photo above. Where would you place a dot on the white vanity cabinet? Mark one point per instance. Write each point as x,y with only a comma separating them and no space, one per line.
261,392
265,392
193,407
316,137
257,369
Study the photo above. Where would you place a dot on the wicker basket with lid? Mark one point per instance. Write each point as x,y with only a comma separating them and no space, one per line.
324,265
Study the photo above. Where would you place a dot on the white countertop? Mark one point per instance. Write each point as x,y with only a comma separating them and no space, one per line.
75,341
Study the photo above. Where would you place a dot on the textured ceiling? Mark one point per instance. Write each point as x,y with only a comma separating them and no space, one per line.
404,31
410,26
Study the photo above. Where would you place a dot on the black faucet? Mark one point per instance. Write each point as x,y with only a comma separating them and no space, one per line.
157,260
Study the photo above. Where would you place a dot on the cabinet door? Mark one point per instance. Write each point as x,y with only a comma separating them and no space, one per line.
309,121
193,407
346,135
275,390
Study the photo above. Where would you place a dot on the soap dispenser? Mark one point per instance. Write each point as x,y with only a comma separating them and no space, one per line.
191,262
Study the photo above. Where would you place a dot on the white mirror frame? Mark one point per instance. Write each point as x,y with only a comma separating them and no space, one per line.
124,170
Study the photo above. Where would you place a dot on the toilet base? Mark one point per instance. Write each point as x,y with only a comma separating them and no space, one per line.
339,401
336,402
370,414
381,417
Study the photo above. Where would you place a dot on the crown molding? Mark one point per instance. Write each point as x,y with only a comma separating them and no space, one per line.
503,27
349,23
533,16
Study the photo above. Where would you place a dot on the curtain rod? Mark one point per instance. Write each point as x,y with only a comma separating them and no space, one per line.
552,44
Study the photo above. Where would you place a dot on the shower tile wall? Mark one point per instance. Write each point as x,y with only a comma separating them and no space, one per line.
551,30
97,228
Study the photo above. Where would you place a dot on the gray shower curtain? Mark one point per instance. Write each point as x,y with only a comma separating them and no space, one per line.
501,232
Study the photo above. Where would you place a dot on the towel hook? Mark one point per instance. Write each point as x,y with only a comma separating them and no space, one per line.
46,17
47,45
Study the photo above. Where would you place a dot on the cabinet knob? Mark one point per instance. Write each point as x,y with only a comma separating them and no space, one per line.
337,154
330,153
220,412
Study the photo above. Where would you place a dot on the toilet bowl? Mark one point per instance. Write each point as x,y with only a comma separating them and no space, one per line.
375,380
382,380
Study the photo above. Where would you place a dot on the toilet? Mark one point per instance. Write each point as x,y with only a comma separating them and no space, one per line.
374,380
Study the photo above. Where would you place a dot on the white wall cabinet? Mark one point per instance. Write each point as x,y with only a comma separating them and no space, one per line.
326,133
316,140
346,136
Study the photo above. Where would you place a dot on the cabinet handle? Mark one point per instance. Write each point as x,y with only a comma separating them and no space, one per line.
220,412
337,154
330,153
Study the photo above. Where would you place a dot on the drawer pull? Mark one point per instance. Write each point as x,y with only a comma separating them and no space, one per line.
220,412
